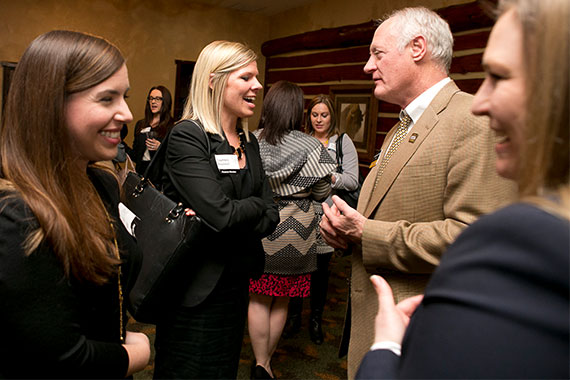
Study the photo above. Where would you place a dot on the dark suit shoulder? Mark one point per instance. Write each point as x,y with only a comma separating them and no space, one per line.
378,364
504,283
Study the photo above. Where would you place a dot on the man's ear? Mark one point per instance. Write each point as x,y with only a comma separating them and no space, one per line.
418,45
210,81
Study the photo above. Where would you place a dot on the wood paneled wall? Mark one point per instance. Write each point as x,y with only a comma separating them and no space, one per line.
323,60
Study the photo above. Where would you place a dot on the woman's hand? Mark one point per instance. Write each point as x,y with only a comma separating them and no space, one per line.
152,144
138,349
392,320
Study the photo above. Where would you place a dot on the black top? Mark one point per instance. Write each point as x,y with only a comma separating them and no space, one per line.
497,306
237,207
54,327
139,146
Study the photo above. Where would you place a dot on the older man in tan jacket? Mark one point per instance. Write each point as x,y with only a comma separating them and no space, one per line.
435,174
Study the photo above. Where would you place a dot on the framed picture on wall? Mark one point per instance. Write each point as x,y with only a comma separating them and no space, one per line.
357,112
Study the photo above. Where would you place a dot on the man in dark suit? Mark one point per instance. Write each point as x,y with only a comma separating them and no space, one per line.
434,177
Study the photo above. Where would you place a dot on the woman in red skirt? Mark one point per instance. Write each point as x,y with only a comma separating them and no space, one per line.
298,168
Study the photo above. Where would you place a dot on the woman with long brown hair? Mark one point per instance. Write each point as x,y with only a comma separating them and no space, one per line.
66,261
150,131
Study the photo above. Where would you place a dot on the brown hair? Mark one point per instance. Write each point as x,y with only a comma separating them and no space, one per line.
282,111
327,101
545,158
166,119
36,153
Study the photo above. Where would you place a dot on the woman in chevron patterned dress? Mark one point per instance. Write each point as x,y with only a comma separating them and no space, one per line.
298,168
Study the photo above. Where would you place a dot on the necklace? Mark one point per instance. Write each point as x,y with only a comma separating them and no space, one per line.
238,151
121,326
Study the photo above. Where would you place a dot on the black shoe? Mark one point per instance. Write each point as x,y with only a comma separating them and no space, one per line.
292,326
258,372
316,330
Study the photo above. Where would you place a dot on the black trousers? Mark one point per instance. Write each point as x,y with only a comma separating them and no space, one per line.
319,288
204,342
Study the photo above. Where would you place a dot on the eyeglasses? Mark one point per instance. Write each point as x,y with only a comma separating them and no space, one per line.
158,98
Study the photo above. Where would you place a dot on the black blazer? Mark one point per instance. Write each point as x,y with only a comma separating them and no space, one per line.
139,147
497,306
55,327
237,218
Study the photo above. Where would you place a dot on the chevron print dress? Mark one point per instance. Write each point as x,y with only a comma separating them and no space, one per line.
299,171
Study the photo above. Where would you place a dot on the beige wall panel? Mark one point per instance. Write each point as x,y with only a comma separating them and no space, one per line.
151,34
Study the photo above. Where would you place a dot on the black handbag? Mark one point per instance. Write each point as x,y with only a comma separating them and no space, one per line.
164,234
349,196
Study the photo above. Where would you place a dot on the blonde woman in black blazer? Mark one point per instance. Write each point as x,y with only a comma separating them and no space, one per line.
213,166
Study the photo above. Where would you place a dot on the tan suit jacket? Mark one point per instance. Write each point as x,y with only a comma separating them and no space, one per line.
441,178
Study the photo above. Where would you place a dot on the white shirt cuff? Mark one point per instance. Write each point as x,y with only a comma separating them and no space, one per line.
387,345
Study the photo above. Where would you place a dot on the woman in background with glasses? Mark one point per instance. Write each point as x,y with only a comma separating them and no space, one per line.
151,130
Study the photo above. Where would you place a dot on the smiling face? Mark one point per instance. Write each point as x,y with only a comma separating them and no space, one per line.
391,69
321,120
502,96
240,92
155,101
94,118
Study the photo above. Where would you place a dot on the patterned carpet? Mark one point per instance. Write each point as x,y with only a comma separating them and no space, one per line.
297,357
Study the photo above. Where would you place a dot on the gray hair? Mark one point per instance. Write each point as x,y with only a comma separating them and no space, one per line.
411,22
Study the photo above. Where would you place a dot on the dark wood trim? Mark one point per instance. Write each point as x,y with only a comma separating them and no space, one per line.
460,17
348,55
324,74
465,17
469,85
477,40
344,36
467,64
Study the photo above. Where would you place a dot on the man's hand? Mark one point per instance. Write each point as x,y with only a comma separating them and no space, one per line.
392,320
341,224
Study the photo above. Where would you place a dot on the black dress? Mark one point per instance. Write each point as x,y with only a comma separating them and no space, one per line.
139,144
55,327
202,335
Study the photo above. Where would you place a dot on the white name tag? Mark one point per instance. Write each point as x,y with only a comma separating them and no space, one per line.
145,130
128,218
227,163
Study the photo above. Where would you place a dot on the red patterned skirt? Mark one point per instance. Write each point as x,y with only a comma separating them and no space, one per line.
282,286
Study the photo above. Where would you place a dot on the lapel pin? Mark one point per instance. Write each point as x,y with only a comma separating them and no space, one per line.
413,137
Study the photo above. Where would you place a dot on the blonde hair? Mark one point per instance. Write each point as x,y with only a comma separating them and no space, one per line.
545,157
204,103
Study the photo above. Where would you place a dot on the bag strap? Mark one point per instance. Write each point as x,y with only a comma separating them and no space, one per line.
153,172
339,154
